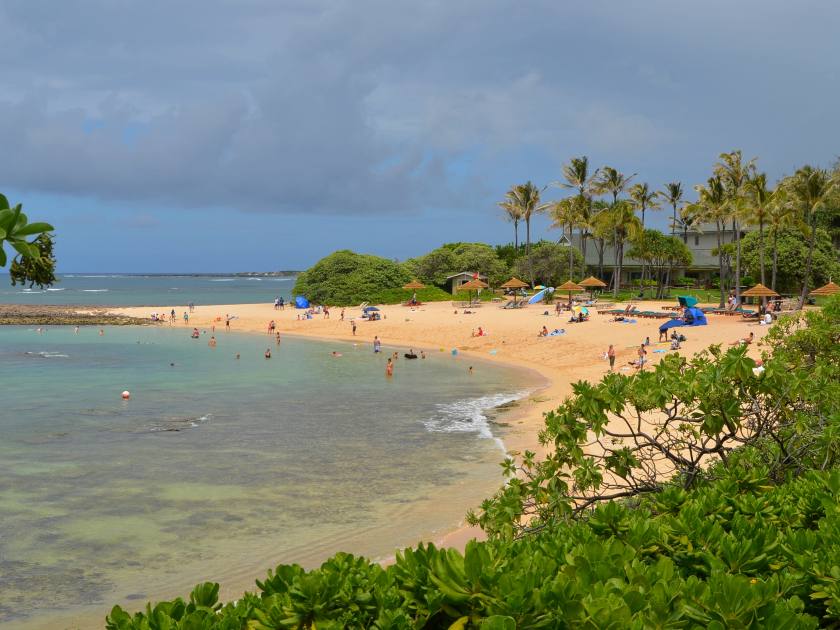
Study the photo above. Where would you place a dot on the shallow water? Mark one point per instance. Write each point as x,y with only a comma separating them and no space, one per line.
141,290
219,468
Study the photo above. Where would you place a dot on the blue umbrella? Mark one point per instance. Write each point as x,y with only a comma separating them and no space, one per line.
370,308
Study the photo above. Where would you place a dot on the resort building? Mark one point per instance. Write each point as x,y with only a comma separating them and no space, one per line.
702,243
455,281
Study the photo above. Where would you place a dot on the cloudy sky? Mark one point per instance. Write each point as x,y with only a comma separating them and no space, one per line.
217,135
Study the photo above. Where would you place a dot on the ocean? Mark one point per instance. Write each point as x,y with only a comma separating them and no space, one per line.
114,289
218,468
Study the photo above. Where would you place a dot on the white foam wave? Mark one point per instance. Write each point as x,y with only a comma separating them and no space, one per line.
257,279
48,355
95,290
222,279
467,416
51,289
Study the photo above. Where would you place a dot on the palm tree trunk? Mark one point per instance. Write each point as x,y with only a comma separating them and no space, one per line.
571,258
516,237
601,258
620,255
528,249
674,220
761,249
809,262
775,258
737,263
720,263
583,248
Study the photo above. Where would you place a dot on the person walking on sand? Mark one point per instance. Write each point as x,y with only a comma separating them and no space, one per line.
642,355
341,316
271,327
611,356
186,318
227,322
353,324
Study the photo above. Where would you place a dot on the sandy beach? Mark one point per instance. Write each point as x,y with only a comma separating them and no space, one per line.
511,337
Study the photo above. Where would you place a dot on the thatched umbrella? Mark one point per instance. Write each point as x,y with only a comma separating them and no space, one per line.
592,283
571,287
473,285
514,283
413,286
826,290
759,290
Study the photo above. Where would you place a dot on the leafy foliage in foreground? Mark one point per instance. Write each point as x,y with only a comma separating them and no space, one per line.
738,552
28,266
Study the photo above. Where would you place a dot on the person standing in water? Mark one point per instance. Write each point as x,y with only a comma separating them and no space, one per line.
267,353
377,345
212,342
389,368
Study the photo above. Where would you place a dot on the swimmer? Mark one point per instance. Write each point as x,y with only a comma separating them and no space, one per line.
335,354
471,370
267,353
389,368
101,332
422,354
237,356
76,330
212,342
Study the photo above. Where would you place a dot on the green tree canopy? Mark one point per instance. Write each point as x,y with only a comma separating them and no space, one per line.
550,263
792,247
451,258
344,278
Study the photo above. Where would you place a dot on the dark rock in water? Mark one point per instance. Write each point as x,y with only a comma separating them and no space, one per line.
46,315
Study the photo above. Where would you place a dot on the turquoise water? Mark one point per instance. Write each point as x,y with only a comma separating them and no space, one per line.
217,467
144,290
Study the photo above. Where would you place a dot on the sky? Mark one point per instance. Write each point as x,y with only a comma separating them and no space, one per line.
237,135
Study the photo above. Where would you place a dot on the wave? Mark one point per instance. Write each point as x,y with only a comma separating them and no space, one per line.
95,290
29,292
467,416
222,279
179,424
48,355
61,289
257,279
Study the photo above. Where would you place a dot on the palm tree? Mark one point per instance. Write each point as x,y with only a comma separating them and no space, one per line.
780,214
514,214
526,197
690,220
567,214
577,177
614,182
761,199
810,190
593,224
626,226
673,195
643,198
735,174
711,201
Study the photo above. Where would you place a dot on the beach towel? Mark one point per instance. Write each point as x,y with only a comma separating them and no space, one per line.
556,332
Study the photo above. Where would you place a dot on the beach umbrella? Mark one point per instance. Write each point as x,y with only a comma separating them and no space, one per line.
473,285
826,290
514,283
367,309
414,285
592,283
571,287
759,290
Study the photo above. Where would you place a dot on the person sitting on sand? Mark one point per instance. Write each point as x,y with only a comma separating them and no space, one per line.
746,340
480,332
543,332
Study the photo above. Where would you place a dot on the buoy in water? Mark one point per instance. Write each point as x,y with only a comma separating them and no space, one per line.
126,395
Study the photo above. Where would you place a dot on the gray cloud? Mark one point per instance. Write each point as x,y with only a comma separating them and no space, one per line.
375,107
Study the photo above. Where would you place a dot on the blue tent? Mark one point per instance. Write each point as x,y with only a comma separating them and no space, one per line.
301,302
687,301
692,316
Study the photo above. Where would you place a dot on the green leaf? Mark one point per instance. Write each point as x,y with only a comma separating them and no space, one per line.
498,622
4,203
33,228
